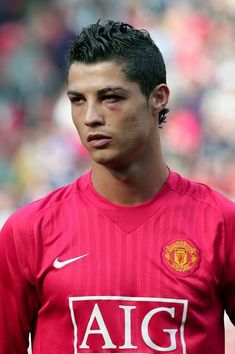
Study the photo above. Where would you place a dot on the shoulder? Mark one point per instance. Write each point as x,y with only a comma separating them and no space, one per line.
202,195
46,206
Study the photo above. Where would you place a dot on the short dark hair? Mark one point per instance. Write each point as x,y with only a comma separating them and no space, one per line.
133,49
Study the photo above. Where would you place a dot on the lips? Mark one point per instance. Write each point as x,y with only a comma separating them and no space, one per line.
98,140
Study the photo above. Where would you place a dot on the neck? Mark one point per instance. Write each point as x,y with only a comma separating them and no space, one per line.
130,185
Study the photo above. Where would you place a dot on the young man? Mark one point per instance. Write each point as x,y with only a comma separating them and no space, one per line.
131,257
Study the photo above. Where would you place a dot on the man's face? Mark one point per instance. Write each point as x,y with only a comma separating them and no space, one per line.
112,116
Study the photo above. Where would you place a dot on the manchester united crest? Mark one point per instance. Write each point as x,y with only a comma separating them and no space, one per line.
181,256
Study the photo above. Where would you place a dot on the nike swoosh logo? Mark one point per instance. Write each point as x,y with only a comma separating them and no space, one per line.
60,264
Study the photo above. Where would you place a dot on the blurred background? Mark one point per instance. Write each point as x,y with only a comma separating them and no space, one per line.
39,148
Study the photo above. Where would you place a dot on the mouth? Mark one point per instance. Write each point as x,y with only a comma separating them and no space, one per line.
98,140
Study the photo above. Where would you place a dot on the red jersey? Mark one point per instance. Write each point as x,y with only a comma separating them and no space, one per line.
85,275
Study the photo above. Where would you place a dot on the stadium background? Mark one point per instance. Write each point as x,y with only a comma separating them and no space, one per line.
39,149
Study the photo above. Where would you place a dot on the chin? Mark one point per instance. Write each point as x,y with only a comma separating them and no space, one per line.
107,159
102,157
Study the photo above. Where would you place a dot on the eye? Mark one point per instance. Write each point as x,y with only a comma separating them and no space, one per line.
77,100
112,98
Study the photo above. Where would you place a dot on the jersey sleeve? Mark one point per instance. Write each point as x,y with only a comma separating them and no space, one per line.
228,293
17,291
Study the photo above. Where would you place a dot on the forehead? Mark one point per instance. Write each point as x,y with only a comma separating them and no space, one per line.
96,76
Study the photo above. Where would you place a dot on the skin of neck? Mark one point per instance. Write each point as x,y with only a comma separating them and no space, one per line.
133,183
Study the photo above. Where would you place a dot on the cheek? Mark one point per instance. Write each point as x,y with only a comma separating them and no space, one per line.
139,127
75,113
75,122
128,132
135,122
78,126
76,117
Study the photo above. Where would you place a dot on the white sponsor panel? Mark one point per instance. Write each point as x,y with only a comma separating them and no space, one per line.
119,324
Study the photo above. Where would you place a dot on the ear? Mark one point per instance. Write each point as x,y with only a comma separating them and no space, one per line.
159,98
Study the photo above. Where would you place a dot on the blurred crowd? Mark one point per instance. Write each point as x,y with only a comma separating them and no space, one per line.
40,150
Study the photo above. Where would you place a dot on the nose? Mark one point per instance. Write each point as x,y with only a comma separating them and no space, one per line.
93,115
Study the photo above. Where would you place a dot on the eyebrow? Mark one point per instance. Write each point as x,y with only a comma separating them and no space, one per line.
74,93
112,89
101,92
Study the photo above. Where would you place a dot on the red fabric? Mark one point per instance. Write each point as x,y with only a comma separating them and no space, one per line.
149,278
